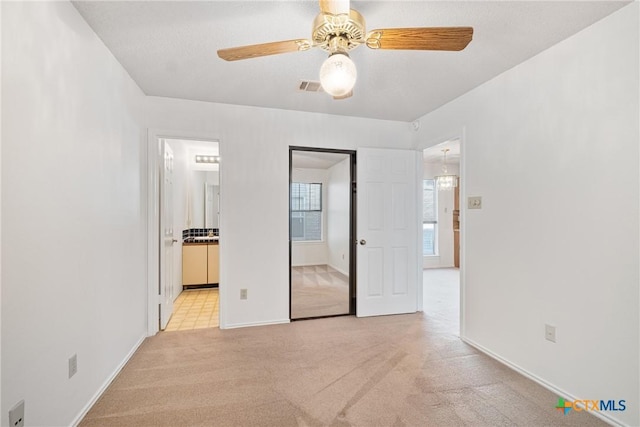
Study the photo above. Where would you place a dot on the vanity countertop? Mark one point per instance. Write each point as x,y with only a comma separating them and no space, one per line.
204,240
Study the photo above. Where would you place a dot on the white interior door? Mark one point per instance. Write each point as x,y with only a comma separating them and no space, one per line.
387,232
166,227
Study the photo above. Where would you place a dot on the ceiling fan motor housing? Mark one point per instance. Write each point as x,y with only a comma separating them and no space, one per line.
347,30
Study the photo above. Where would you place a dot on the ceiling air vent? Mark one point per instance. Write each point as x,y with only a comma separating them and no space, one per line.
310,86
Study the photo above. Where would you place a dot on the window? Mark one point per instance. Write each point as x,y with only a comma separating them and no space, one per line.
429,216
306,211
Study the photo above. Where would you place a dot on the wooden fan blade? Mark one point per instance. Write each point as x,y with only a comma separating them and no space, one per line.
265,49
433,38
334,7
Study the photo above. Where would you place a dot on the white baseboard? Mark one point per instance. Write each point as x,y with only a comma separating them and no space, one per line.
551,387
249,324
106,383
308,264
346,273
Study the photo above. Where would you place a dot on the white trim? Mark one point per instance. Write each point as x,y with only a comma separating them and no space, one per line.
153,227
419,231
308,264
1,203
462,183
106,383
551,387
308,242
339,270
264,323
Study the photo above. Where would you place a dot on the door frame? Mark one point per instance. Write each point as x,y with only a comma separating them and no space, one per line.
462,184
152,214
165,283
352,224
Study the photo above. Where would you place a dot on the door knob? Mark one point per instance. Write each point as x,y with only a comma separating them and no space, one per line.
363,242
174,241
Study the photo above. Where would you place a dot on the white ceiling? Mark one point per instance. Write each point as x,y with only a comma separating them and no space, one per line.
315,159
169,49
435,155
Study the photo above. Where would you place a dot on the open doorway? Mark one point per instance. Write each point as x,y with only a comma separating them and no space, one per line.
189,231
321,233
441,233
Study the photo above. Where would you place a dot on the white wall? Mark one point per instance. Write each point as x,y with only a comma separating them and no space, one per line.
338,218
552,147
254,147
1,134
73,216
444,233
312,253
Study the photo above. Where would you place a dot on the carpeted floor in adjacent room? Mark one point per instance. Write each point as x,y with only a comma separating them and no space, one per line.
318,290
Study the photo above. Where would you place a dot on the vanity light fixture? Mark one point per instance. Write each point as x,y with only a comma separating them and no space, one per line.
207,159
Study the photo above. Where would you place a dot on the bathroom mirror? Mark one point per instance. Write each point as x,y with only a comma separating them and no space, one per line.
205,198
211,205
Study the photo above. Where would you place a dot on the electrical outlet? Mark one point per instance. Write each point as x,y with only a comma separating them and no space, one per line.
550,333
243,294
73,365
16,415
474,202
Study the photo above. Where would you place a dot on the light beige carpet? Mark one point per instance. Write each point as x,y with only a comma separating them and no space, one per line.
408,370
318,290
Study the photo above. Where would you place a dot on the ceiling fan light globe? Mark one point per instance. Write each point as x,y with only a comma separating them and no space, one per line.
338,75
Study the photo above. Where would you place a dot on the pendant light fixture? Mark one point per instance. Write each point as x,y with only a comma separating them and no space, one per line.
446,181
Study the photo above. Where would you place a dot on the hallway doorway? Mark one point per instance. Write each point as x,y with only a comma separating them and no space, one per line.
441,232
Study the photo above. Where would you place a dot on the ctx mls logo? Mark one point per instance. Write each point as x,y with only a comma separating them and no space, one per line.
590,405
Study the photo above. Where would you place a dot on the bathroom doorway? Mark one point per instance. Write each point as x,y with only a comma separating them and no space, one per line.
321,232
184,233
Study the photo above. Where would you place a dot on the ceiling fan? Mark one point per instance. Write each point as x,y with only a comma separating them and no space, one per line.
338,29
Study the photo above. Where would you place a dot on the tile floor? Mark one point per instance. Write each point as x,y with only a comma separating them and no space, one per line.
195,309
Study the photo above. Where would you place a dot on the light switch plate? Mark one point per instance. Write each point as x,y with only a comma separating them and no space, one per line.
550,333
73,365
474,202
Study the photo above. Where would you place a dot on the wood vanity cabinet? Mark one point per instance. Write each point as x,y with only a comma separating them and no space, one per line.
194,264
213,263
200,264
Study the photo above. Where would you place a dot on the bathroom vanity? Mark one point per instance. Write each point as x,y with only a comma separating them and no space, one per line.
200,261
